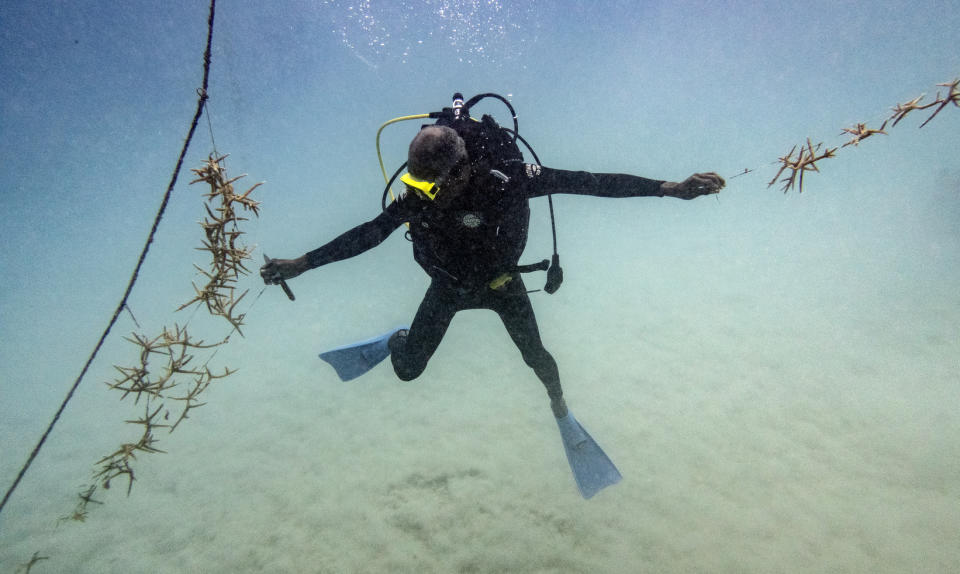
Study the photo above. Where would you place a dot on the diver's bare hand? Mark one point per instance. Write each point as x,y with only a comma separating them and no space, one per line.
694,186
281,269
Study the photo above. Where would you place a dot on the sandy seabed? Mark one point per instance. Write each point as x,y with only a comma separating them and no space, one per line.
768,415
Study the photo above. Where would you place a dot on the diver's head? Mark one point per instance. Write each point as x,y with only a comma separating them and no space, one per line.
437,163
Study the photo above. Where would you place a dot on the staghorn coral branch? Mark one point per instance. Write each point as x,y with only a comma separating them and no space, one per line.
805,161
953,96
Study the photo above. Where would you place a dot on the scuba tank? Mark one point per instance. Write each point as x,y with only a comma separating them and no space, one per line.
494,150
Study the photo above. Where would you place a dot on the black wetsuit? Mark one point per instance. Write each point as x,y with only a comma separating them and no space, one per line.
477,238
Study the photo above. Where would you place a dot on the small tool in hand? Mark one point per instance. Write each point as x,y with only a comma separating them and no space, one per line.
283,284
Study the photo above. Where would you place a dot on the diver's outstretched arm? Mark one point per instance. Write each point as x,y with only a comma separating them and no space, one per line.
354,242
544,180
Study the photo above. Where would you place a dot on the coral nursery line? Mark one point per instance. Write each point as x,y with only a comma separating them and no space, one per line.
178,379
808,156
222,241
122,304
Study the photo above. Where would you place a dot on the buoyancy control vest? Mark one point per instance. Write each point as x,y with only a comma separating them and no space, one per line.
484,231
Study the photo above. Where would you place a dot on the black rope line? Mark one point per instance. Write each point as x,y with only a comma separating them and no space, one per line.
202,93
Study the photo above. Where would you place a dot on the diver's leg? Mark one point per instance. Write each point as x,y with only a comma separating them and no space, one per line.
516,312
592,468
411,351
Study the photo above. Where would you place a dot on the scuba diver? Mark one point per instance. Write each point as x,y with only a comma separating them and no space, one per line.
465,201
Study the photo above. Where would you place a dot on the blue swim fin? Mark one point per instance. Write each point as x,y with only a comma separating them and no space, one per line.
591,467
351,361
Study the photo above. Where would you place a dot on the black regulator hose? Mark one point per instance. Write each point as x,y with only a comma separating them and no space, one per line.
386,190
472,101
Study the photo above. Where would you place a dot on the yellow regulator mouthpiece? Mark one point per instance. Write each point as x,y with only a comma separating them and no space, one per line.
424,187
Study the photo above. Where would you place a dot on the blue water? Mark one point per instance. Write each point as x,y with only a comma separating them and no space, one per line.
774,374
